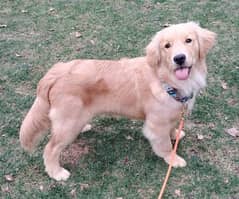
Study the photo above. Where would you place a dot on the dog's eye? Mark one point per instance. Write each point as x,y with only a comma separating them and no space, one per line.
167,45
188,40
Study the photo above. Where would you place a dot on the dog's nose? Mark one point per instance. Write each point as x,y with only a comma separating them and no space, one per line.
179,59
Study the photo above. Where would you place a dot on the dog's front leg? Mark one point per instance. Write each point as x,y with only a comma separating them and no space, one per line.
159,138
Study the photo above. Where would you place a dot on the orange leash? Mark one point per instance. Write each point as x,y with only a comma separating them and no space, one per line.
181,124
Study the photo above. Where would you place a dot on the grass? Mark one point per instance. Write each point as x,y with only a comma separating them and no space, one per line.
117,161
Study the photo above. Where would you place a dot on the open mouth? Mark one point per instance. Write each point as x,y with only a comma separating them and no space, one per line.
182,72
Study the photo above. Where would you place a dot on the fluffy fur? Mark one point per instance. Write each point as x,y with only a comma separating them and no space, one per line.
71,93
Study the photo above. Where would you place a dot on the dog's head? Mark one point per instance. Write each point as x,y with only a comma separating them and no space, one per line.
179,48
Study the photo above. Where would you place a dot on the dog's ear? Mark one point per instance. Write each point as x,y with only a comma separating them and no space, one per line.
153,52
206,40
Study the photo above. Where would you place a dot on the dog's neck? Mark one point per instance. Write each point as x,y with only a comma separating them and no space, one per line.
176,94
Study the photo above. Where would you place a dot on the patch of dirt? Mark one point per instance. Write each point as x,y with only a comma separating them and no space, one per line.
192,124
72,154
25,89
145,193
19,36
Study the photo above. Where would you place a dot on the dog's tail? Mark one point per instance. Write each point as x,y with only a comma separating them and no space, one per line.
37,122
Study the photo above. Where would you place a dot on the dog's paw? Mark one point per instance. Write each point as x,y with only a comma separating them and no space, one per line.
181,135
60,174
87,127
178,161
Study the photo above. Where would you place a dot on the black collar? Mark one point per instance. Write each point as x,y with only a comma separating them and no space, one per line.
173,92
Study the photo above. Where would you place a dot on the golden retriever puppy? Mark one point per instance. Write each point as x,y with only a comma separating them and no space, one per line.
153,88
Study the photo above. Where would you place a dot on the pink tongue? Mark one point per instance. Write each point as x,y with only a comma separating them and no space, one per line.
182,74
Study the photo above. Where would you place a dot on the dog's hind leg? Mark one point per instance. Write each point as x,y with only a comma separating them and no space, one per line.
65,128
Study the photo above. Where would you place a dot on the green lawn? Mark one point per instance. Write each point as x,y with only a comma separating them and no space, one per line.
114,160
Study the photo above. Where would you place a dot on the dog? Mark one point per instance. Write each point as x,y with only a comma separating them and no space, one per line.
153,88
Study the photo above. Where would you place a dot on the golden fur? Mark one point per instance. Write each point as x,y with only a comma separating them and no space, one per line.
71,93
